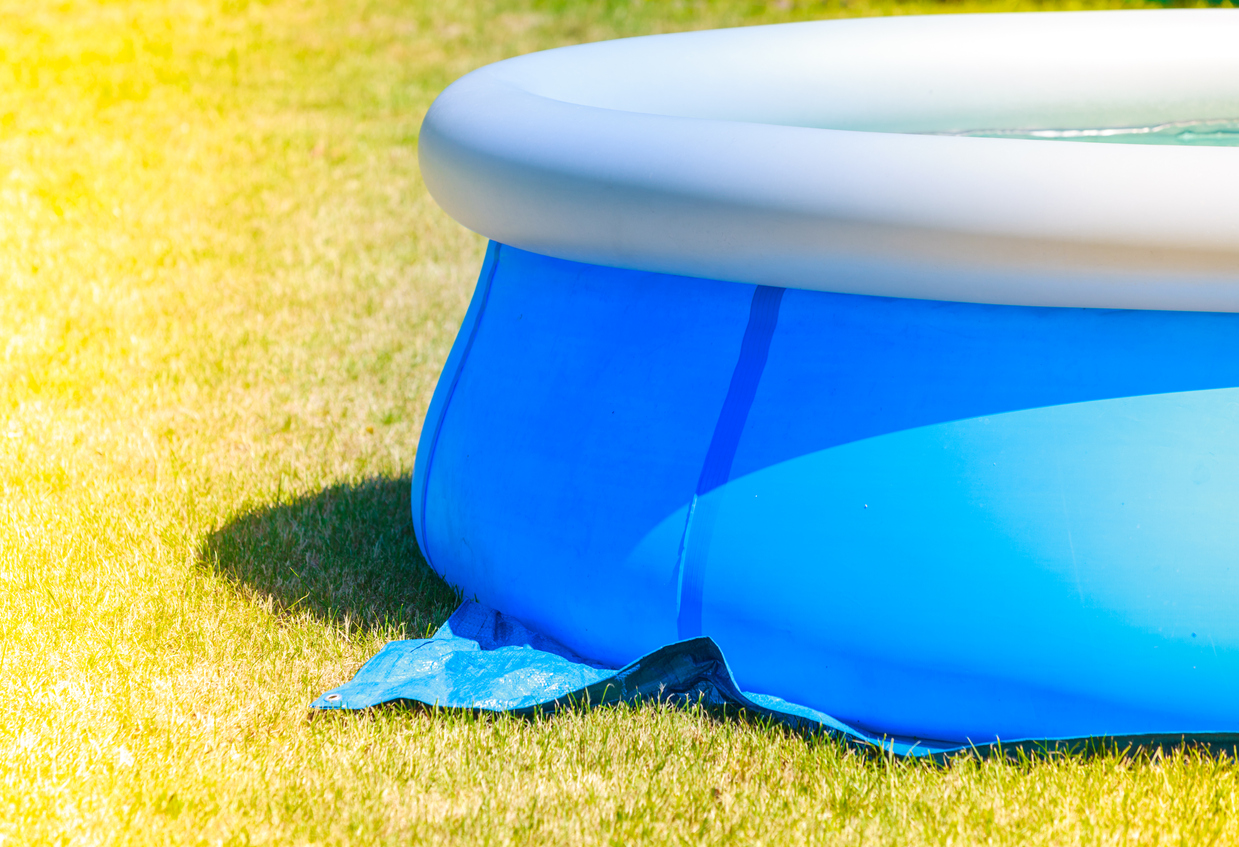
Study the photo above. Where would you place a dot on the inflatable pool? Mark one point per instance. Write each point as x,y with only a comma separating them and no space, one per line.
805,338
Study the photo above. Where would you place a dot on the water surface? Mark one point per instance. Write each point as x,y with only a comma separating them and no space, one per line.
1212,133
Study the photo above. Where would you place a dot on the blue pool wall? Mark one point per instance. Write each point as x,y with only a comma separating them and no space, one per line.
941,520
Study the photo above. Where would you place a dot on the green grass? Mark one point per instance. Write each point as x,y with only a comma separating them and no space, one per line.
224,301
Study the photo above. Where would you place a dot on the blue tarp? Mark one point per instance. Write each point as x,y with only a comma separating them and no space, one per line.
486,661
482,660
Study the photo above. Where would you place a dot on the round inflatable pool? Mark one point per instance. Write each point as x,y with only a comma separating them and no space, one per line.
812,339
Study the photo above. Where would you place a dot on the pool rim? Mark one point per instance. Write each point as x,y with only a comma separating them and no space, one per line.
988,220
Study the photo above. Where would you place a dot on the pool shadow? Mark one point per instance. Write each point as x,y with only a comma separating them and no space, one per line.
346,554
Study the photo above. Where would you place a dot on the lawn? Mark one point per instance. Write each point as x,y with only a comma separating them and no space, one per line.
225,297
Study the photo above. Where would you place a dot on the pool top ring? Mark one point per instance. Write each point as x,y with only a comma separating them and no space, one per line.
805,156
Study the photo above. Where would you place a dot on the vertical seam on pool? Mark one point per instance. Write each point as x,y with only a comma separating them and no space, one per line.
679,561
486,278
751,363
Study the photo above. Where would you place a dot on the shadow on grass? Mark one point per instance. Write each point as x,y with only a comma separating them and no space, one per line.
346,554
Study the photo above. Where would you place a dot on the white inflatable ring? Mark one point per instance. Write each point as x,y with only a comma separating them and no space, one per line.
805,156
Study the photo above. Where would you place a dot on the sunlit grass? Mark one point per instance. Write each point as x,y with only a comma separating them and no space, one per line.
224,300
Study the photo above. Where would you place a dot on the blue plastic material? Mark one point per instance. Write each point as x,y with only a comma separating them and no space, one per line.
485,661
928,520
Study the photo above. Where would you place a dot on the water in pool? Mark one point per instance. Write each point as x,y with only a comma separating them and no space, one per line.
1213,133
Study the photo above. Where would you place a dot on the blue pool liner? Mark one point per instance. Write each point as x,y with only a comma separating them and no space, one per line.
485,661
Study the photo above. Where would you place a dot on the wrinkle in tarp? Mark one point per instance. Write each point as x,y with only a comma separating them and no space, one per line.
482,660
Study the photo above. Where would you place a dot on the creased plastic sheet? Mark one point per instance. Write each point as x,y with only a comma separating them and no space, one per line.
486,661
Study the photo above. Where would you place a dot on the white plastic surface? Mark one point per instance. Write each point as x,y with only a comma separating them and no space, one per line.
789,155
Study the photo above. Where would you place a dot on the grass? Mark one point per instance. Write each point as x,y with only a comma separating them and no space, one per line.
224,300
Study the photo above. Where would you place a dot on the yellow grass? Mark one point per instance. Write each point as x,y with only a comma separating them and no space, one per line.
224,300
